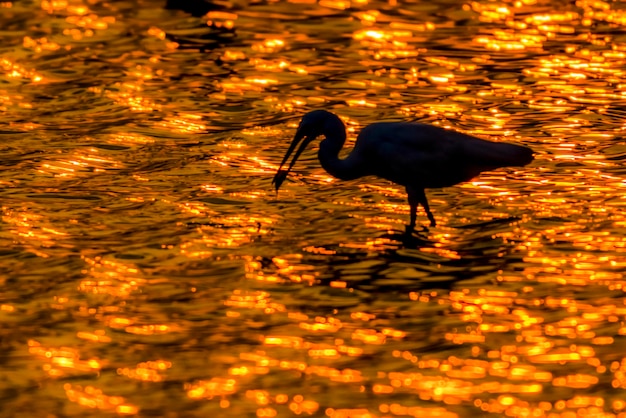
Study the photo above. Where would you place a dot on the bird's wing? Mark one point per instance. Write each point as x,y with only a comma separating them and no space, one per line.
428,156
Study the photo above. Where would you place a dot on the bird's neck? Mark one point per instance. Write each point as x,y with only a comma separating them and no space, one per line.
328,153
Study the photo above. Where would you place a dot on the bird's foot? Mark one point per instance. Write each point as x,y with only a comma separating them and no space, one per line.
410,229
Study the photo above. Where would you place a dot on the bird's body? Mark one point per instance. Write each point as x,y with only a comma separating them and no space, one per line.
428,156
414,155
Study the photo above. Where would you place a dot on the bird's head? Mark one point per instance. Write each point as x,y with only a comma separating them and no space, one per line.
311,126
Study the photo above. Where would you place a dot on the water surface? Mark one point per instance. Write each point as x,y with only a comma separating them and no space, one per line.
148,268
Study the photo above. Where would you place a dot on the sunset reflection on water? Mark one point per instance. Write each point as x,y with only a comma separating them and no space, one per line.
149,268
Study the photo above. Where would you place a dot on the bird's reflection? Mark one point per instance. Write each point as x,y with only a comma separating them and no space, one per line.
402,239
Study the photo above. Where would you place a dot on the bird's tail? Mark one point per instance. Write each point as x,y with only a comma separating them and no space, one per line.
517,155
505,155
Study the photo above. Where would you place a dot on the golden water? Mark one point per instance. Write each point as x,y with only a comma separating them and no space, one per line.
148,268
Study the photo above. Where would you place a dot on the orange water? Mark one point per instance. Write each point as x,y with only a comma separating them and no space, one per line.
148,268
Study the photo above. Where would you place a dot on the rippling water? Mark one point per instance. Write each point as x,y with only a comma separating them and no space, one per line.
148,268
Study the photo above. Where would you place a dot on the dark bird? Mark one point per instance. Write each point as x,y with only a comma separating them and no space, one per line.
414,155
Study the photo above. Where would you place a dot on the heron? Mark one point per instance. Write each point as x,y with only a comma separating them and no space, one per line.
417,156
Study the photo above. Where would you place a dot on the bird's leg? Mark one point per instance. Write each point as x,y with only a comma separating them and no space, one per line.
421,198
413,203
418,197
413,208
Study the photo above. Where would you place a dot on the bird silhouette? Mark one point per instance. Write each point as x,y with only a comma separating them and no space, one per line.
415,155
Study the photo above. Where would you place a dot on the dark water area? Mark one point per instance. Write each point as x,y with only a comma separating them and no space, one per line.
148,267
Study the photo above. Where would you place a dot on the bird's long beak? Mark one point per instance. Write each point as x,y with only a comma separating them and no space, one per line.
281,174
